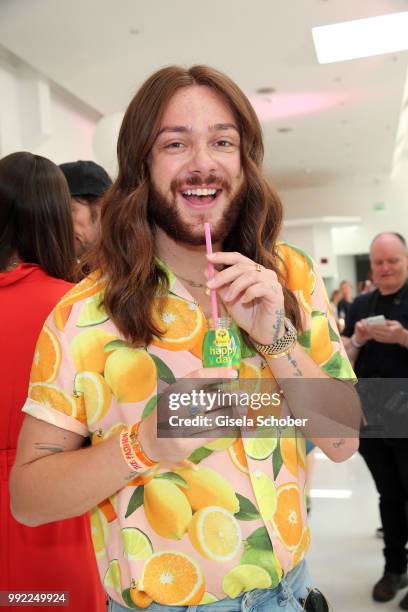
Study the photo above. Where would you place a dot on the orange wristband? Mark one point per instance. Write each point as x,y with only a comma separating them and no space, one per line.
137,461
137,449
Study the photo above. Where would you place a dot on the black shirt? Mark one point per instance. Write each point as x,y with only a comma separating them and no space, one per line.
378,359
343,308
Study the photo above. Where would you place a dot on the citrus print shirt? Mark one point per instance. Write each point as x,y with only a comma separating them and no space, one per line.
182,537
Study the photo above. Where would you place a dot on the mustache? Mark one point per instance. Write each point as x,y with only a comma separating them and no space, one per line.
199,181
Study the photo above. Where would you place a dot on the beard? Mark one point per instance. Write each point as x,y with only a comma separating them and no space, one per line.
165,215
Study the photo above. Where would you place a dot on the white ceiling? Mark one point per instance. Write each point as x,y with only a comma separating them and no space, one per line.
343,117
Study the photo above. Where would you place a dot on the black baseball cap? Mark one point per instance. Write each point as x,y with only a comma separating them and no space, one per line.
85,178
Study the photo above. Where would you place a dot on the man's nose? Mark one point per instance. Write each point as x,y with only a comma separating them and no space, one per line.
201,161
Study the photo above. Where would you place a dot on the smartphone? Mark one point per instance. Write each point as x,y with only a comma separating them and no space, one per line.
375,320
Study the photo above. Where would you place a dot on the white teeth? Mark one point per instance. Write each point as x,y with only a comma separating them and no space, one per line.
200,192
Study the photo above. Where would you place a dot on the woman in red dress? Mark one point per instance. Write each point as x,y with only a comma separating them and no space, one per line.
36,261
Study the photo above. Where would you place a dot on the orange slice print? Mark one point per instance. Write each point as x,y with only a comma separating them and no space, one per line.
182,323
173,578
238,457
53,397
302,548
47,357
287,520
88,286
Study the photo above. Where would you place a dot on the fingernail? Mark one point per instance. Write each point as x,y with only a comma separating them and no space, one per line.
233,373
210,283
210,255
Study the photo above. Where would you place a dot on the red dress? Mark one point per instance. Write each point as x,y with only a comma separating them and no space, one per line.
58,556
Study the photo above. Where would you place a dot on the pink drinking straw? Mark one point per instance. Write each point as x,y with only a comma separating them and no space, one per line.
210,268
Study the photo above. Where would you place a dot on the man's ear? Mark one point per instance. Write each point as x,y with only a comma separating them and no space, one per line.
96,213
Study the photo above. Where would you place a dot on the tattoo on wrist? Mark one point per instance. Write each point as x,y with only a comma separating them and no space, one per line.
294,364
277,326
52,448
131,476
339,443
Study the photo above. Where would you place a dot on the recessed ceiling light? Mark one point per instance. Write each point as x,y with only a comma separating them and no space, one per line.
266,90
284,130
361,38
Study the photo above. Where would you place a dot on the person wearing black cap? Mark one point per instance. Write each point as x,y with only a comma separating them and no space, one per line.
87,183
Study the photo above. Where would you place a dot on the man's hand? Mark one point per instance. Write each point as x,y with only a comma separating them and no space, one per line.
252,296
363,331
390,333
173,450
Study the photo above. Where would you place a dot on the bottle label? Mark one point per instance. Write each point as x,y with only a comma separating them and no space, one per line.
221,348
222,337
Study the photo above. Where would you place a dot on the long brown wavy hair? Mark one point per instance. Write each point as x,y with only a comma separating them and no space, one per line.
126,253
35,214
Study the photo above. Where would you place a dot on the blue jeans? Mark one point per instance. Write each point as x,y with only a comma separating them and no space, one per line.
283,598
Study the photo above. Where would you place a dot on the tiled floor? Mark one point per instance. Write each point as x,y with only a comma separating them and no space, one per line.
345,557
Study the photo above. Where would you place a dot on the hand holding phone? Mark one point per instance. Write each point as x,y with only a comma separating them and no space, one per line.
375,320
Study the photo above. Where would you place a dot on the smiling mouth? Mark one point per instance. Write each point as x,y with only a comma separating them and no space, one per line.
201,197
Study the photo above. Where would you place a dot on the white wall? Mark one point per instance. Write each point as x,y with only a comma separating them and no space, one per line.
346,270
38,116
354,198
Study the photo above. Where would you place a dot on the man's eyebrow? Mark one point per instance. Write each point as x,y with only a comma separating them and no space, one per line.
174,128
223,126
217,127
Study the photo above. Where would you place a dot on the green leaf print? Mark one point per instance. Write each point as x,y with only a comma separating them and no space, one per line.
128,600
304,339
247,510
333,336
135,501
163,371
333,366
259,539
277,460
178,480
150,406
346,371
113,345
199,454
258,550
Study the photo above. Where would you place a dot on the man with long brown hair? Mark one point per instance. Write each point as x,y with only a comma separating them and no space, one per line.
184,522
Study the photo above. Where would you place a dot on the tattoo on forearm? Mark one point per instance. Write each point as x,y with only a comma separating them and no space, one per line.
339,443
280,315
294,364
52,448
131,476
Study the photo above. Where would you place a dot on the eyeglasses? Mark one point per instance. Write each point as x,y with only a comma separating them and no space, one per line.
315,602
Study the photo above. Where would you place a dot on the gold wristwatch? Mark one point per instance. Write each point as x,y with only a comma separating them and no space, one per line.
281,347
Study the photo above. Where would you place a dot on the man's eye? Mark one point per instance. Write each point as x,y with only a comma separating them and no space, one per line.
174,145
224,143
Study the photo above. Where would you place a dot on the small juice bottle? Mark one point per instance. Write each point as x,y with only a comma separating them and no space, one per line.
221,345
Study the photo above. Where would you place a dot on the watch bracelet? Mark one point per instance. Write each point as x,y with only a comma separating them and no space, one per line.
281,347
